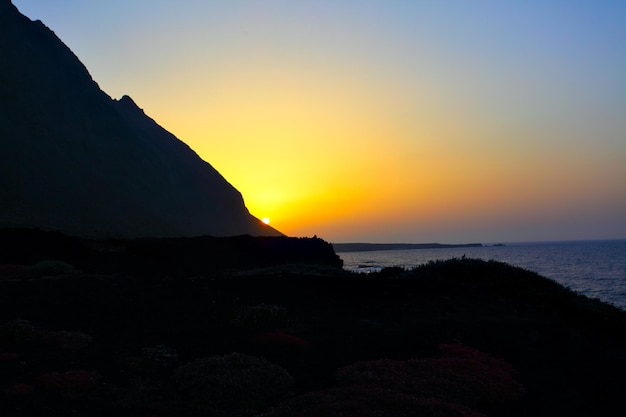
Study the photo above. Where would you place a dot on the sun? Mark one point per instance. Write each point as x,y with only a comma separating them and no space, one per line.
265,220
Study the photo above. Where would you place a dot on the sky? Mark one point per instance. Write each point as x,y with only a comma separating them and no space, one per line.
382,120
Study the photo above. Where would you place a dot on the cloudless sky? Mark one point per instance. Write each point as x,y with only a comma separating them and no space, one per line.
382,120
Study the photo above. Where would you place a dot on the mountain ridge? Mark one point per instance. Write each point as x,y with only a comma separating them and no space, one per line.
75,160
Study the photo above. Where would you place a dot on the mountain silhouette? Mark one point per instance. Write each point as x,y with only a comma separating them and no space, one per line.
74,160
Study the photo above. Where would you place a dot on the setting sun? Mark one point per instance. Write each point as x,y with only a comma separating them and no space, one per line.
265,220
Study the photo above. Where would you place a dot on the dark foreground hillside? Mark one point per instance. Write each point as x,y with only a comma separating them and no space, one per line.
456,338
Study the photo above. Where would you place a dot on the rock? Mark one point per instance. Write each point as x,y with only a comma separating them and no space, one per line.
74,160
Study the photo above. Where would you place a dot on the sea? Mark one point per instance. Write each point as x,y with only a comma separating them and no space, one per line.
596,269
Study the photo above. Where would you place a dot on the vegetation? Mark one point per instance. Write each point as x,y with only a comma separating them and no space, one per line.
461,337
233,382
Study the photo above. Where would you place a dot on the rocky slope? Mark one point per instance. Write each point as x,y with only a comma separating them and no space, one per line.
73,159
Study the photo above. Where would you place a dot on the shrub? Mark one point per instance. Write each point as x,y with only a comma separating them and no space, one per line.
19,390
153,360
145,395
261,317
9,366
18,332
161,354
70,384
52,267
233,381
367,401
7,270
461,375
489,380
279,341
8,357
67,340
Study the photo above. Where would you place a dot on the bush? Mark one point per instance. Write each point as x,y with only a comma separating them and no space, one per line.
461,375
367,401
487,379
67,340
261,317
281,342
19,390
233,382
70,384
52,267
18,333
152,361
160,354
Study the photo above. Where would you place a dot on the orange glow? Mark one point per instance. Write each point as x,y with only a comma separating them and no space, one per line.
380,124
333,164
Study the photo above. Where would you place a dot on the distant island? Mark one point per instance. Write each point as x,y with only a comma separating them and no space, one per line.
364,247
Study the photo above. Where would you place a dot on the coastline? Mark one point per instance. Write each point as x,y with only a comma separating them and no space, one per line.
366,247
595,268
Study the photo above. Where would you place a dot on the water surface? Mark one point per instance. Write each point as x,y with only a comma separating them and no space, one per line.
596,269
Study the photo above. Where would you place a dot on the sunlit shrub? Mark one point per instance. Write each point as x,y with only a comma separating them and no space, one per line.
233,381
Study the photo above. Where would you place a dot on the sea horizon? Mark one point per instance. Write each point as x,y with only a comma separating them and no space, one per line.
486,243
595,268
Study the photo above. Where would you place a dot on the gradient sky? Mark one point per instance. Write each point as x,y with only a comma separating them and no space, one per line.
382,120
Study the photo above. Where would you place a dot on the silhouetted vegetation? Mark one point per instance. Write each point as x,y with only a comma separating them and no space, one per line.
161,257
283,335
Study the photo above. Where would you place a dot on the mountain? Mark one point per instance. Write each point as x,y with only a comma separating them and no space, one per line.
74,160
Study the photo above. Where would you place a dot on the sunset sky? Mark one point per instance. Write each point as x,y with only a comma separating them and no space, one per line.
382,120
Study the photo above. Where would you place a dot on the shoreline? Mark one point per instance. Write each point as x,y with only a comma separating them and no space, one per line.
369,247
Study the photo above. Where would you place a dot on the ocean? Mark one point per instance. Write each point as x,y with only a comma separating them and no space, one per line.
596,269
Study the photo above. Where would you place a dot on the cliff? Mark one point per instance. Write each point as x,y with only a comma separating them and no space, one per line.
73,159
